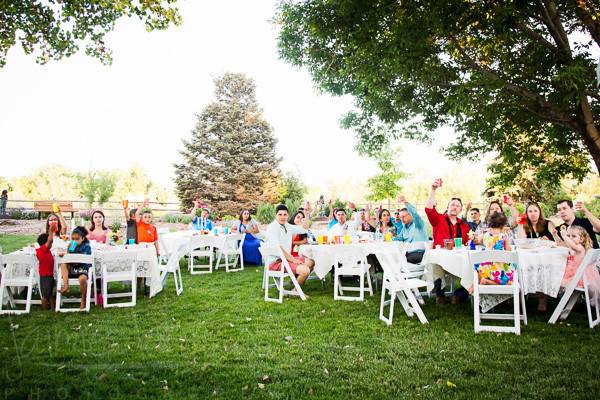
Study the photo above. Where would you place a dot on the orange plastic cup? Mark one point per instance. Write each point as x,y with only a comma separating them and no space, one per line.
125,203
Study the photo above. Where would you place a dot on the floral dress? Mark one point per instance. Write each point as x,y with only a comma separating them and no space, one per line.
496,273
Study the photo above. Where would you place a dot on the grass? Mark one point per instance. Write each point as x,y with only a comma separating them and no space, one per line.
221,340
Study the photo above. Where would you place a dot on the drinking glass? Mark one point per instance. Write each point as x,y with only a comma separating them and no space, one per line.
320,239
457,243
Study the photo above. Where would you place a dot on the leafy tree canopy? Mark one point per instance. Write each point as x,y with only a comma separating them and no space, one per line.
516,78
53,29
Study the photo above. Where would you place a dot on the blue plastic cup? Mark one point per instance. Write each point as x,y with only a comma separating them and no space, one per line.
131,241
226,230
73,246
215,231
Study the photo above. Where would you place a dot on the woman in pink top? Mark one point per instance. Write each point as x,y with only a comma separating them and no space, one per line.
98,231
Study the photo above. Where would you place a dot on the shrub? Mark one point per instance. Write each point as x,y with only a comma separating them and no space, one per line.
265,213
293,205
228,217
21,213
178,219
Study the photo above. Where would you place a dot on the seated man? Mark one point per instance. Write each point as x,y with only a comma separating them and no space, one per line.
445,226
280,233
343,227
590,223
413,230
475,216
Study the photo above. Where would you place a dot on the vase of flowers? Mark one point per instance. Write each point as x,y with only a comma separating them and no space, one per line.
114,235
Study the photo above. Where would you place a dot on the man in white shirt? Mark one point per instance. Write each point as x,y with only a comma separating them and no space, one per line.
343,227
280,233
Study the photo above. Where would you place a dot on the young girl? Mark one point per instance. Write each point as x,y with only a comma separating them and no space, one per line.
579,242
79,245
98,231
56,220
535,226
300,238
496,238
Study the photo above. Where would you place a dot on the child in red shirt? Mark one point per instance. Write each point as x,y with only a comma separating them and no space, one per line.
46,269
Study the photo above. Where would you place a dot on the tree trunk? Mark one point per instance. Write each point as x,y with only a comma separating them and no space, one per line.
589,131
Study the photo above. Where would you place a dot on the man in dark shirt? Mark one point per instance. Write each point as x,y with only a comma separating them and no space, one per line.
475,219
590,223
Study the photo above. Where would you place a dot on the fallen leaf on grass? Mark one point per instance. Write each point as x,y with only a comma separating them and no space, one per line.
182,339
248,319
165,388
231,325
288,338
78,328
90,324
114,345
85,355
14,326
310,391
265,378
450,384
143,383
261,385
157,346
326,372
61,367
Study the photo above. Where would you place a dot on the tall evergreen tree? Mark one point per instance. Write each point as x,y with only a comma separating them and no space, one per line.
230,160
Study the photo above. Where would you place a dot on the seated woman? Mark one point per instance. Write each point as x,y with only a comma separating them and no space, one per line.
536,226
98,231
280,233
79,245
56,219
251,243
202,222
579,242
299,238
384,223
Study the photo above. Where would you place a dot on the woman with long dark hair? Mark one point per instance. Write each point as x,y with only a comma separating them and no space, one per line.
245,224
298,240
536,226
98,232
57,222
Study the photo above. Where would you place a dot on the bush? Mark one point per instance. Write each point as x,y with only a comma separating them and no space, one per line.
21,213
293,205
265,213
228,217
178,219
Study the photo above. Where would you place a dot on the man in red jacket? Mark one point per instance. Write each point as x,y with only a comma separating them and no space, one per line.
445,226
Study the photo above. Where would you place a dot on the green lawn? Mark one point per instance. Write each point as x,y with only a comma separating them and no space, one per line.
221,340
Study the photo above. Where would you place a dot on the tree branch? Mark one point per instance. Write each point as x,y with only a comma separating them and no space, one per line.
552,22
592,26
554,113
536,36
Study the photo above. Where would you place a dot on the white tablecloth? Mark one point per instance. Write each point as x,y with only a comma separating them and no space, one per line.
172,240
455,262
147,263
325,255
542,269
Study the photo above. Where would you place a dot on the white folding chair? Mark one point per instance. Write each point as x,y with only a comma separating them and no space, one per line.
119,267
519,312
573,291
270,254
416,270
351,261
172,267
18,272
400,285
200,248
232,247
70,258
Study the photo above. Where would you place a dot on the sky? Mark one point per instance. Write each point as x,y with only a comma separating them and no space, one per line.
82,114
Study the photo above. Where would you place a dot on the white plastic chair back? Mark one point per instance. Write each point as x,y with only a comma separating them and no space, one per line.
566,303
19,271
74,258
271,254
519,312
350,257
119,266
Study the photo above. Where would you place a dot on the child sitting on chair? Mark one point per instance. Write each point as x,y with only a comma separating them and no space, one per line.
46,269
130,217
79,245
579,242
496,238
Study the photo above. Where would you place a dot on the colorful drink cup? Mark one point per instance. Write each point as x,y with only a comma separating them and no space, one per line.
226,230
457,243
347,239
125,203
320,239
131,241
387,237
55,208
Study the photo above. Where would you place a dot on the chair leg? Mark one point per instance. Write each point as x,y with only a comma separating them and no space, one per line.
392,301
517,310
369,282
476,311
415,306
361,292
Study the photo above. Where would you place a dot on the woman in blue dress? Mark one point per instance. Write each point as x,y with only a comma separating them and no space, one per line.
251,243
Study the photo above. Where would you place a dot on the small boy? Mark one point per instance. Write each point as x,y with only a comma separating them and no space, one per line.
130,217
146,231
46,269
3,201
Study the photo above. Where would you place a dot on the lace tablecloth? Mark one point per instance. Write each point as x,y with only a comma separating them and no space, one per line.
542,269
172,240
325,255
